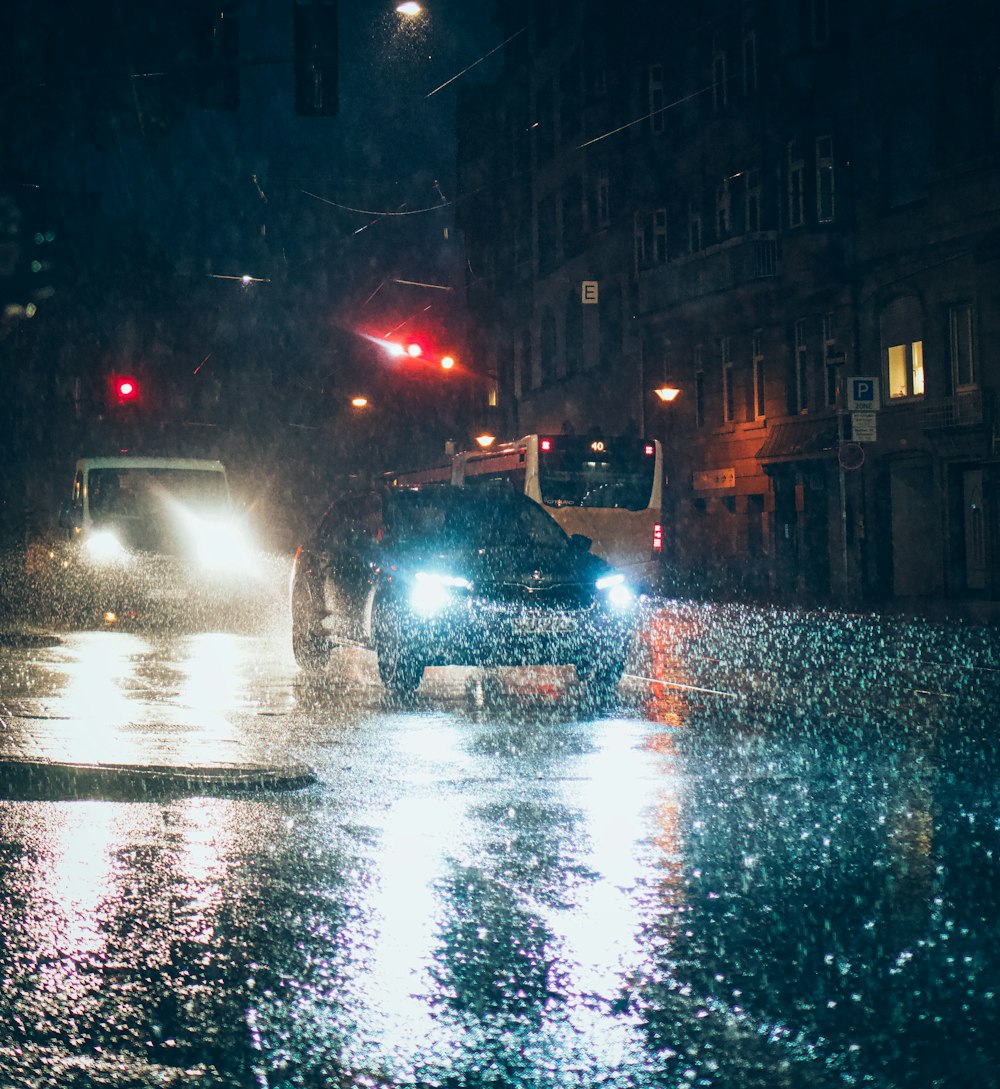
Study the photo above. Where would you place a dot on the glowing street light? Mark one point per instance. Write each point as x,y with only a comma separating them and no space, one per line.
447,362
486,440
667,393
359,402
409,7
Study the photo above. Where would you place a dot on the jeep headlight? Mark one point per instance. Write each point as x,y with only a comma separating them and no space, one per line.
432,591
617,592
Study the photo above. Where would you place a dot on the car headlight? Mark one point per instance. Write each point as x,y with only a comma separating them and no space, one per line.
104,546
617,591
432,591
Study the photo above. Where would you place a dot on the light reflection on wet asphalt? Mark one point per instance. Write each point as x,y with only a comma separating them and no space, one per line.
773,863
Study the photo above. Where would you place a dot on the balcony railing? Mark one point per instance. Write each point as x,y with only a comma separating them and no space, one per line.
722,267
962,409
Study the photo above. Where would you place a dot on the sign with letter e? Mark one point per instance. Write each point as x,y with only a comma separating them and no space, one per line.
863,394
588,291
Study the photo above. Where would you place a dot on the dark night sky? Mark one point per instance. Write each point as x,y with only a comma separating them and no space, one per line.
262,191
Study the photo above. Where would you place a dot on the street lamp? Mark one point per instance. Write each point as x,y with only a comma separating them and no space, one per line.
409,7
667,393
359,402
486,440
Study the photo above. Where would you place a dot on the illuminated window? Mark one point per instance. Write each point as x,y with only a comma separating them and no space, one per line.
906,370
901,330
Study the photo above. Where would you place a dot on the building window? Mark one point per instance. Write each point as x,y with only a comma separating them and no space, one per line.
657,115
832,360
694,226
660,236
751,201
720,91
699,388
910,155
906,369
749,63
574,333
901,333
602,199
548,363
757,359
963,358
572,215
571,111
596,65
796,185
523,367
825,207
547,233
723,210
728,392
650,238
801,387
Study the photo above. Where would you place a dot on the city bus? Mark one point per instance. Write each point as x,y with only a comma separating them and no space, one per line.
609,489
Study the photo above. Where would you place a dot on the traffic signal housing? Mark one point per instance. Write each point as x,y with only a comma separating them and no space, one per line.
218,56
316,58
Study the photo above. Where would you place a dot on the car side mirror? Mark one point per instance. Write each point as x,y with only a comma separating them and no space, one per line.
70,518
580,542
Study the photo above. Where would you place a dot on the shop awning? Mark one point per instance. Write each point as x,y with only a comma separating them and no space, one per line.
800,440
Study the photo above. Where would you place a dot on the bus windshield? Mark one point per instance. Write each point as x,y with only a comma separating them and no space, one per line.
574,471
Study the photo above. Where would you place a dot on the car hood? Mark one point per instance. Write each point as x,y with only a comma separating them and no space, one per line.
528,566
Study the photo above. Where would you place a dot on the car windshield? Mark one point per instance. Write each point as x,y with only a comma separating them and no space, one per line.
137,493
453,517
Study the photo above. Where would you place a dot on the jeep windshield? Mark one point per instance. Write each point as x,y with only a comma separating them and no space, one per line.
455,518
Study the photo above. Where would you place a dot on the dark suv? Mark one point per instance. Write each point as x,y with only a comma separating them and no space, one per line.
446,575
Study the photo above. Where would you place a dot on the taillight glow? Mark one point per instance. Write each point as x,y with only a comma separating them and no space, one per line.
649,450
657,537
544,445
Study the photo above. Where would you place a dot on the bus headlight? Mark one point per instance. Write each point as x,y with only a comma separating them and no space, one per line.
619,594
104,546
432,591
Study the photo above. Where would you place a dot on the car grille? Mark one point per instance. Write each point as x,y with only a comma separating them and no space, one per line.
563,595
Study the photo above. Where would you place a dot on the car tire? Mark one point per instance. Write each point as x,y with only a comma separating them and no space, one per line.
399,664
310,644
601,676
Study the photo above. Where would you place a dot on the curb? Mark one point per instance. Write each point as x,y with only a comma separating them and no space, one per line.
50,780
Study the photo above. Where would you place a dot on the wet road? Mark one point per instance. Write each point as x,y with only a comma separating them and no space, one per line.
773,863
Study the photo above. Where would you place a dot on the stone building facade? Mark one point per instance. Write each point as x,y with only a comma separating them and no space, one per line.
770,200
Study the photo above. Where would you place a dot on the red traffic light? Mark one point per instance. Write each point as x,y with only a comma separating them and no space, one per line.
126,389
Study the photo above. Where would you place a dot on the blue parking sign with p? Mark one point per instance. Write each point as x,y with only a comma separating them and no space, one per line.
863,393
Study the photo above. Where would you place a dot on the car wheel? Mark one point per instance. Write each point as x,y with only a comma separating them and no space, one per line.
310,643
399,664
